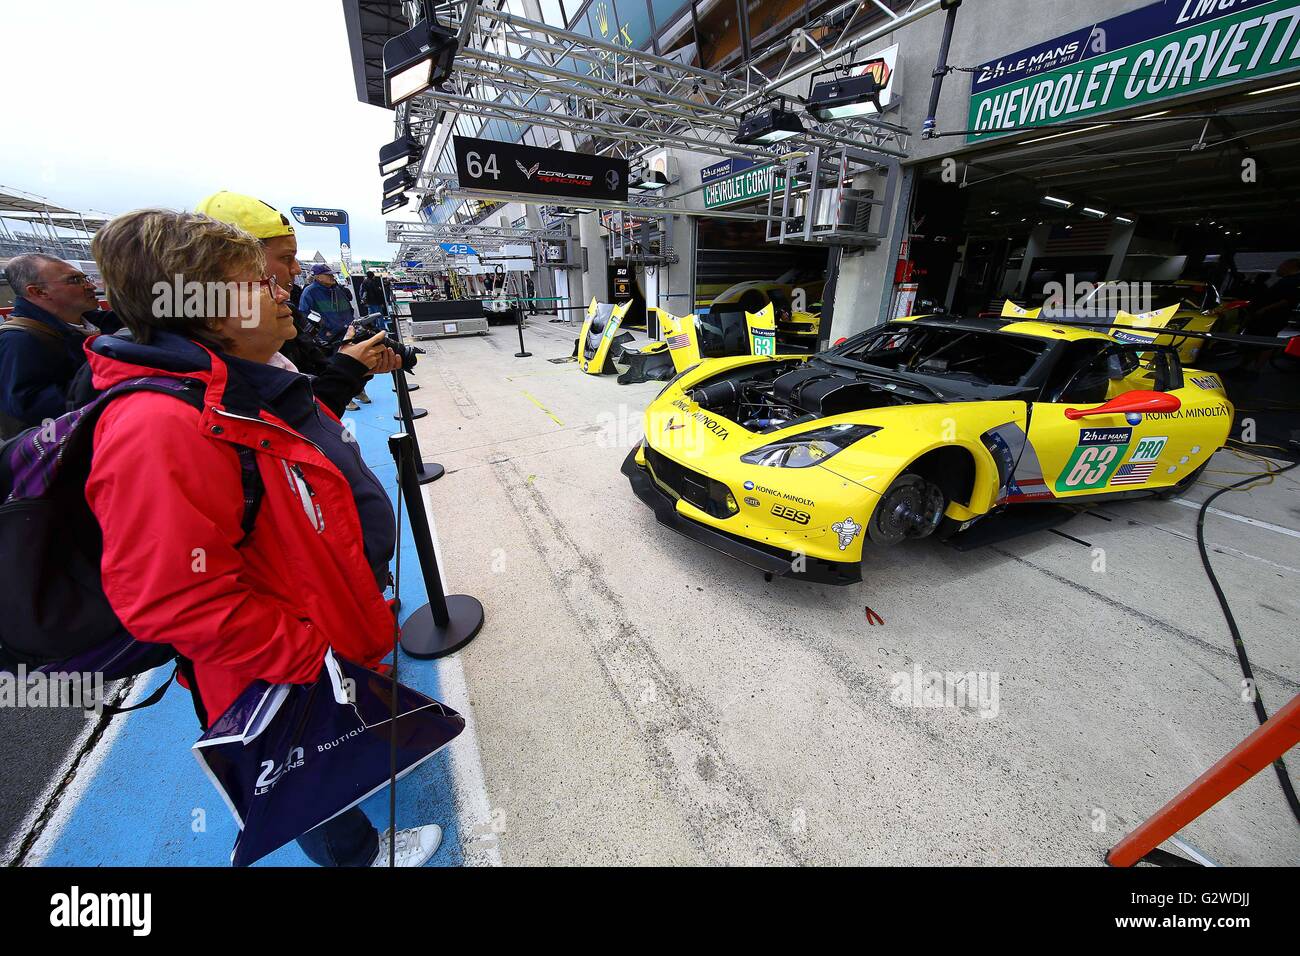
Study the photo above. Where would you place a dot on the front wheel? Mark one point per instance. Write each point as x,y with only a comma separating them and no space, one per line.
913,507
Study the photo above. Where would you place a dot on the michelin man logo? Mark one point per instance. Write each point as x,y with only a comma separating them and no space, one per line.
847,530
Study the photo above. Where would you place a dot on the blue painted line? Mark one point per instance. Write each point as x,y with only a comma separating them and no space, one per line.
149,804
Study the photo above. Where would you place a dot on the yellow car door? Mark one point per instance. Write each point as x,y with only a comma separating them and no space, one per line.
762,330
1114,422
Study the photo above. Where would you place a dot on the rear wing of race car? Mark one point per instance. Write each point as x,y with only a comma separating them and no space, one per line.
1144,327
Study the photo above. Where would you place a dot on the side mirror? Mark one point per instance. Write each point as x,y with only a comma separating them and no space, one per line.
1130,402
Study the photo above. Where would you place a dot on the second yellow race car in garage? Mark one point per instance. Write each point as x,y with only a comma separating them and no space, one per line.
798,464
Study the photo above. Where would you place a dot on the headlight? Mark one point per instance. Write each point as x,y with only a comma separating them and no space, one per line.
809,448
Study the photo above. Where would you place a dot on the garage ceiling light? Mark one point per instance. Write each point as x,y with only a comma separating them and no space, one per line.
1068,132
1273,89
398,154
768,126
417,60
845,97
644,183
1057,202
1094,213
1124,219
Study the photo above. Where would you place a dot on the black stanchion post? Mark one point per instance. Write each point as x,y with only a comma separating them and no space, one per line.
425,471
519,314
397,334
448,622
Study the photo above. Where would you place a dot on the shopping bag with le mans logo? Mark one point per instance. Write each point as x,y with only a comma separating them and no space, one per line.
288,757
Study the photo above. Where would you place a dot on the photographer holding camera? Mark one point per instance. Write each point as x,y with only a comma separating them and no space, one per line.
339,372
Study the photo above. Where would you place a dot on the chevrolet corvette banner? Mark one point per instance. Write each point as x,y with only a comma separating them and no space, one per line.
516,168
1159,51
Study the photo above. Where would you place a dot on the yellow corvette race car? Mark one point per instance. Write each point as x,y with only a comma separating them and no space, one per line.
689,338
1180,306
797,324
923,425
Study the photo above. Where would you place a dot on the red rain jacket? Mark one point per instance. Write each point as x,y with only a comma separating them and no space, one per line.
165,487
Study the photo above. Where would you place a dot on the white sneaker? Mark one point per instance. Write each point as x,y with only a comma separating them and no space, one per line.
414,847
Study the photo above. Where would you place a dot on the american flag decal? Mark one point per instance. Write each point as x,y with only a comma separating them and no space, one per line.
1134,474
679,341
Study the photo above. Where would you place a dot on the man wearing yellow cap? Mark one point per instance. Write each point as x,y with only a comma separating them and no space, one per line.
337,378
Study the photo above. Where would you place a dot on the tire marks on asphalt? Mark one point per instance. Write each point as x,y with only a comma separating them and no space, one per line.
722,810
1200,643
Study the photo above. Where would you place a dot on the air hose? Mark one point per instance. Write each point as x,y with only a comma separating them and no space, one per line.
1257,700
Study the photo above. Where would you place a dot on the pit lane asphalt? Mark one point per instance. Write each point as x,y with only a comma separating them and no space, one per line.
642,699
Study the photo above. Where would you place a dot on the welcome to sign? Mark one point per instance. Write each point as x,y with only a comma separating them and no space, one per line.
1166,49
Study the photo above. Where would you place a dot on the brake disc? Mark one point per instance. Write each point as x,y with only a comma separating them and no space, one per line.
907,510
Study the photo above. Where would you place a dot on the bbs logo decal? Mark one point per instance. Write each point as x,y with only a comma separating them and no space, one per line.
752,502
791,514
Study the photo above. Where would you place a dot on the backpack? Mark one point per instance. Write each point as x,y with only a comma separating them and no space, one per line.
53,612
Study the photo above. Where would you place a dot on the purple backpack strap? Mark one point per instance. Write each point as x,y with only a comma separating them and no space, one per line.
33,458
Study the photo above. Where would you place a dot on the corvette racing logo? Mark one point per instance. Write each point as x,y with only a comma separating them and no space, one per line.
847,530
528,170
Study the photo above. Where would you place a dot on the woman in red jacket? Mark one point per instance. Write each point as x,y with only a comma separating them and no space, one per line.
166,487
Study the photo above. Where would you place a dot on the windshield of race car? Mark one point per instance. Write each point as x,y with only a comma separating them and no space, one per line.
980,357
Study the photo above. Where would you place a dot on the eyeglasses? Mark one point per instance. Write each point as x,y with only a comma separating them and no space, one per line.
70,280
271,282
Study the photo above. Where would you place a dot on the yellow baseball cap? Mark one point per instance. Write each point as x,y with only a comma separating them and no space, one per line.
252,215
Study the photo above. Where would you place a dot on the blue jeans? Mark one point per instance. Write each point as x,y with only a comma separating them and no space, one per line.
348,840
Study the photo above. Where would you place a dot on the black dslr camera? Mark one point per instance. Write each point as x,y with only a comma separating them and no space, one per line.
370,327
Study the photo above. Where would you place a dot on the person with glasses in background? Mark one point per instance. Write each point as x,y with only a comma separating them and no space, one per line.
56,309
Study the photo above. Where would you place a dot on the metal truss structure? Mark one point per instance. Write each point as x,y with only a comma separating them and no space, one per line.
423,241
627,102
399,231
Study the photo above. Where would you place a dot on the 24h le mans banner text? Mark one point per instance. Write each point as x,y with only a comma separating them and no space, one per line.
1158,51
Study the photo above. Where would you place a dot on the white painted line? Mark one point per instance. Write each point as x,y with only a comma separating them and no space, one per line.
1276,528
38,807
477,837
475,824
80,784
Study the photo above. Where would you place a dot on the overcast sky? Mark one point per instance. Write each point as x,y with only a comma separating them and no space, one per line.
117,105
